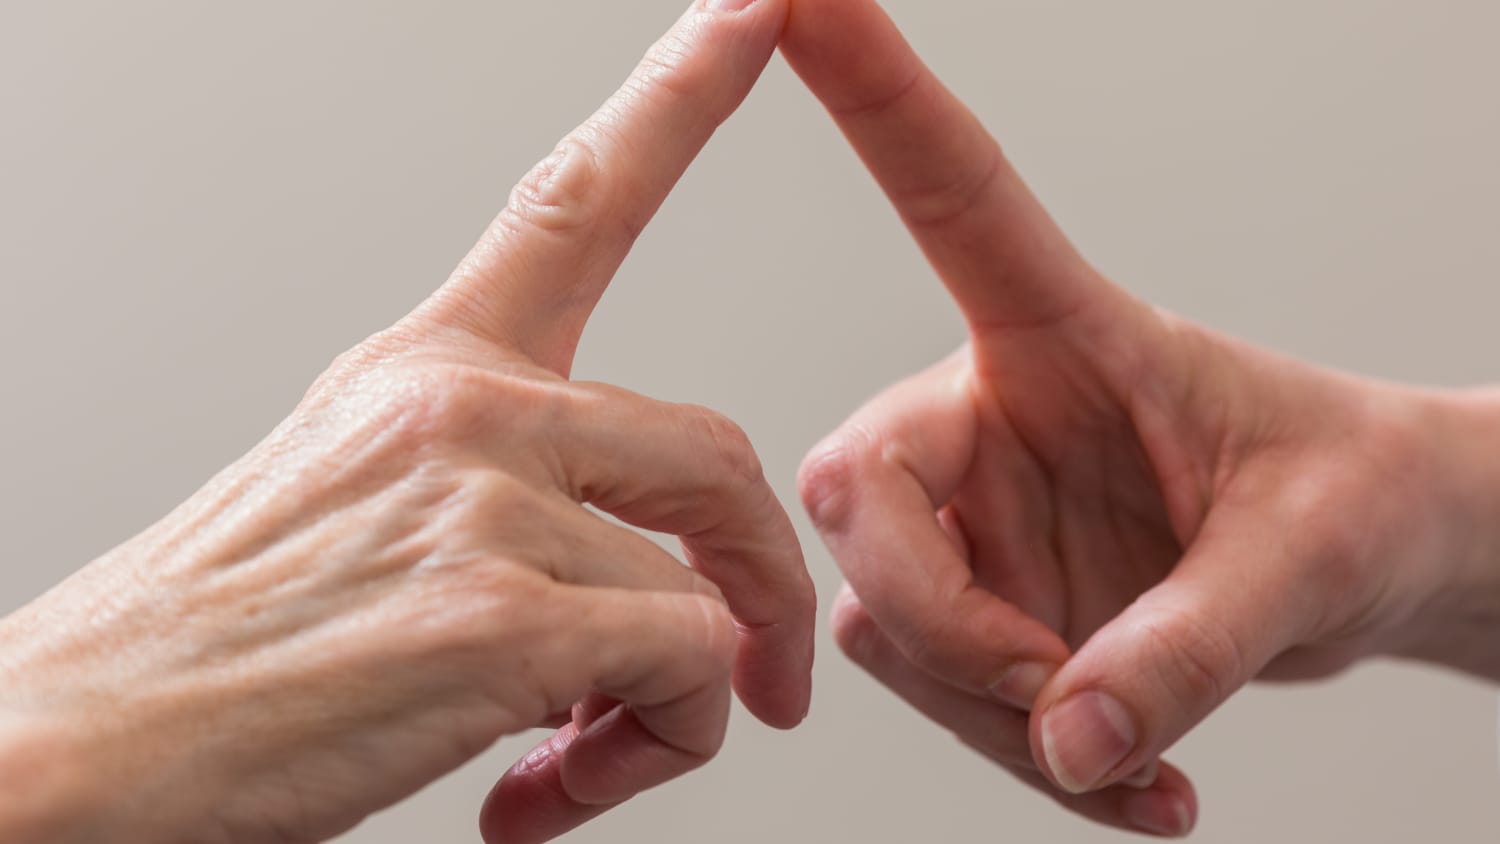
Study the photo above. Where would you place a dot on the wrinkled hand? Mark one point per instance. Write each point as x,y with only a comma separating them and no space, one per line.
1095,511
405,570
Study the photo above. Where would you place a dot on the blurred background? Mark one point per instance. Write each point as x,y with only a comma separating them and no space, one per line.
201,204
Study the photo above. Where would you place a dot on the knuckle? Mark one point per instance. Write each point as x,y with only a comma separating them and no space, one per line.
475,607
729,446
426,403
503,609
676,70
829,477
942,202
354,364
561,194
885,101
498,495
1201,661
448,403
719,636
390,412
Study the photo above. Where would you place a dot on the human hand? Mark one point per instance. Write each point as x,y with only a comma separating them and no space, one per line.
1102,514
405,570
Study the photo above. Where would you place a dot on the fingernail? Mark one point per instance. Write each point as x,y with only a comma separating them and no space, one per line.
1085,738
727,5
1156,814
1021,683
1144,778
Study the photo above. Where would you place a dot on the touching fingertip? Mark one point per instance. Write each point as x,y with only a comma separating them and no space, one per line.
727,5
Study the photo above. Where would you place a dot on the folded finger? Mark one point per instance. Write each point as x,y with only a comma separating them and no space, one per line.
571,545
874,489
666,658
993,729
688,471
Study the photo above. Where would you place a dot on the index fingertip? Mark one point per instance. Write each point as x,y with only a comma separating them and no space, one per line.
849,52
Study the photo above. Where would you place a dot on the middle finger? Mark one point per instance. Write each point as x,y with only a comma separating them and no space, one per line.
690,472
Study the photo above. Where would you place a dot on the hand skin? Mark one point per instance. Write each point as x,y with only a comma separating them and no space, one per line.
1103,514
404,571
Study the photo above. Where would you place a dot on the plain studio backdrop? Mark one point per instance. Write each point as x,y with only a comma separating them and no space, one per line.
202,203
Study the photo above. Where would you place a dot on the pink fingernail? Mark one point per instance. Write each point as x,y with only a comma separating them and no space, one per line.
1021,683
727,5
1085,738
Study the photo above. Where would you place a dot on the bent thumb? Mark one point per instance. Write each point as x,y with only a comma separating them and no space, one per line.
1151,674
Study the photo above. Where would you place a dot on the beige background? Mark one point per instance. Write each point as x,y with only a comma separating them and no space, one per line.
202,203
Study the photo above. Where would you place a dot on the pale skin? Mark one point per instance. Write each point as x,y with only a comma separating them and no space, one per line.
1073,539
405,571
1067,543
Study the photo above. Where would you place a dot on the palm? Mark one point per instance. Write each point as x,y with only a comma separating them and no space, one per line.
1061,445
1061,507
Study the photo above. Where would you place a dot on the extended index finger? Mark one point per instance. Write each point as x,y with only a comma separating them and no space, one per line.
994,245
537,273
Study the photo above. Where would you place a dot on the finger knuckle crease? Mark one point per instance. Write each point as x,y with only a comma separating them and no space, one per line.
561,194
875,106
937,206
731,448
674,70
1203,656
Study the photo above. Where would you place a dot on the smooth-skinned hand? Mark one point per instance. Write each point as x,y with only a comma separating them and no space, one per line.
406,571
1077,536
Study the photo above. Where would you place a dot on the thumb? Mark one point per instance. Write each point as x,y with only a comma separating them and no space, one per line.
1161,666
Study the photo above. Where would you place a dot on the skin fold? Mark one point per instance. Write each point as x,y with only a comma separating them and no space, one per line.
1068,542
405,571
1074,538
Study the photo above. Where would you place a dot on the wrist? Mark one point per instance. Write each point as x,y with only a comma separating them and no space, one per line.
1459,625
81,755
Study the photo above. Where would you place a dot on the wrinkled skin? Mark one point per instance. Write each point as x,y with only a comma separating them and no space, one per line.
1077,536
405,570
1090,498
